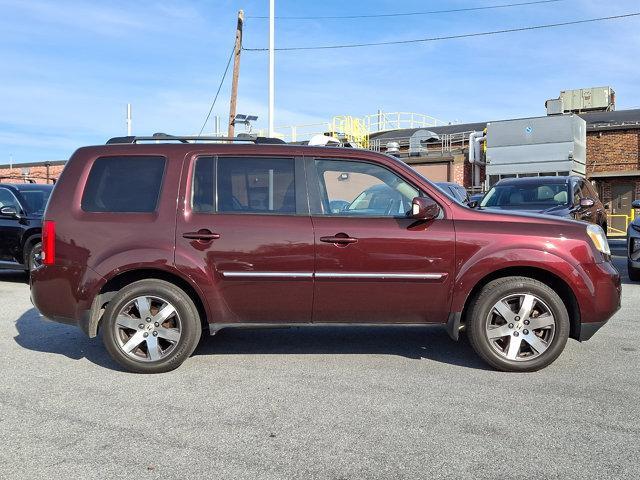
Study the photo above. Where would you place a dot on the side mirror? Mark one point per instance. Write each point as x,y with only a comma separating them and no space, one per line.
424,209
635,204
473,204
9,211
587,202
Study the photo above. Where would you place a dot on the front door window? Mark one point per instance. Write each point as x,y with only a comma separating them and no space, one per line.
359,189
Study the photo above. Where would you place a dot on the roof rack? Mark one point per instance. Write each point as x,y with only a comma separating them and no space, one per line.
193,138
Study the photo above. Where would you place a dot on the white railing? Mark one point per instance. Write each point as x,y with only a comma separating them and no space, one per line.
377,122
383,121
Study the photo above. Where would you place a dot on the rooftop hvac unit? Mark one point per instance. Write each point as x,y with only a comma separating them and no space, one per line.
596,99
418,139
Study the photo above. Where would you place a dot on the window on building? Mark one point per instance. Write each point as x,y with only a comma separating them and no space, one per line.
124,184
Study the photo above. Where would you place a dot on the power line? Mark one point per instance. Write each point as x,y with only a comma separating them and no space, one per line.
224,75
449,37
407,14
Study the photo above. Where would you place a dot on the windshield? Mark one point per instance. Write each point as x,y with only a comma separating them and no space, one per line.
528,196
36,200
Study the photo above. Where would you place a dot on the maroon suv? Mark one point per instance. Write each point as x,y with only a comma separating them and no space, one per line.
152,243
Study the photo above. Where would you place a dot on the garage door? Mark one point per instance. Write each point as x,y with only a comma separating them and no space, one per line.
436,172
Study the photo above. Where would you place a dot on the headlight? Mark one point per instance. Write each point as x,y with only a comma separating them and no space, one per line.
599,239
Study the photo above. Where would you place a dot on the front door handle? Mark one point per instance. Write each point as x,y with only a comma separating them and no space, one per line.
340,239
202,235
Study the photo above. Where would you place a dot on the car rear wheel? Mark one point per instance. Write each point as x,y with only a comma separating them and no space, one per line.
518,324
634,273
150,326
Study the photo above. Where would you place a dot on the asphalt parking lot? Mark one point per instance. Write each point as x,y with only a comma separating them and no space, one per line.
315,403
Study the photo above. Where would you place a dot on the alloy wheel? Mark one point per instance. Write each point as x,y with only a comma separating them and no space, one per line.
36,257
148,328
520,327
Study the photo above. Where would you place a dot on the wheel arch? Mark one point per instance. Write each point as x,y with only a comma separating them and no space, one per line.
554,281
122,279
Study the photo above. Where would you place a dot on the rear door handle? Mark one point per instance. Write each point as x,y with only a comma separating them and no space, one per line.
341,239
203,235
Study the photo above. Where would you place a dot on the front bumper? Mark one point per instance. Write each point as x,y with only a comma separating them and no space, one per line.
633,247
603,300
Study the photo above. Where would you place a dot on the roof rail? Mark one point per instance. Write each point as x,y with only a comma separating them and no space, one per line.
192,138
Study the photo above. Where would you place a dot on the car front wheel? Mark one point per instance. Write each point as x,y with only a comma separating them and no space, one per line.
150,326
518,324
33,258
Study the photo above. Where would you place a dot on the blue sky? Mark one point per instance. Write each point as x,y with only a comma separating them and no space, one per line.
68,68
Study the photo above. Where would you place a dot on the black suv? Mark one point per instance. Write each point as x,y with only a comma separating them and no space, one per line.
568,197
21,210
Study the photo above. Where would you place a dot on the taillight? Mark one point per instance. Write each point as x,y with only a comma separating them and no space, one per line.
48,242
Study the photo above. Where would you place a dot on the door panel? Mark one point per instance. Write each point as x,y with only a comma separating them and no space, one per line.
397,272
259,258
621,199
373,263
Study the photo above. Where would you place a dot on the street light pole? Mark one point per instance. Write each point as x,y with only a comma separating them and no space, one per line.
129,119
272,22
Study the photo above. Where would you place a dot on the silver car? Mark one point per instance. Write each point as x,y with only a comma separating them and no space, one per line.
633,247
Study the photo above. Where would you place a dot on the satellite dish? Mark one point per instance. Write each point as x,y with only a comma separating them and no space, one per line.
320,140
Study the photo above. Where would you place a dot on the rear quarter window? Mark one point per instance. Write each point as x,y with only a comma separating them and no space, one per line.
125,184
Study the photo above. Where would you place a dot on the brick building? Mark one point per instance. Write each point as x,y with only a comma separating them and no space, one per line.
38,172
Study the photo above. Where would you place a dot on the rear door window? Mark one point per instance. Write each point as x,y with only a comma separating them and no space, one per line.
124,184
256,185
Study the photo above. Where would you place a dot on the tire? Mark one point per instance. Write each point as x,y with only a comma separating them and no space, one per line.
634,273
30,261
148,342
510,295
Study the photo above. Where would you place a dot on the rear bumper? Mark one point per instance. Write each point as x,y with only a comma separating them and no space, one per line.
65,295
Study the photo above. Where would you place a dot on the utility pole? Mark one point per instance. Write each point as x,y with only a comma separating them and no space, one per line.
236,72
272,9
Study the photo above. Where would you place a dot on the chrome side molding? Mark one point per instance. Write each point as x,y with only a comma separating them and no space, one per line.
354,275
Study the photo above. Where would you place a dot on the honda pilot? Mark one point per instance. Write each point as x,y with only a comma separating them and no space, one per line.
151,242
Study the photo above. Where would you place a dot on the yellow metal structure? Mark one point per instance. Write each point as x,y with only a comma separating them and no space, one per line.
350,129
618,232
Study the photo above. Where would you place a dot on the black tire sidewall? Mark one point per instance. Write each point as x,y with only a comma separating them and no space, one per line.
189,318
490,295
